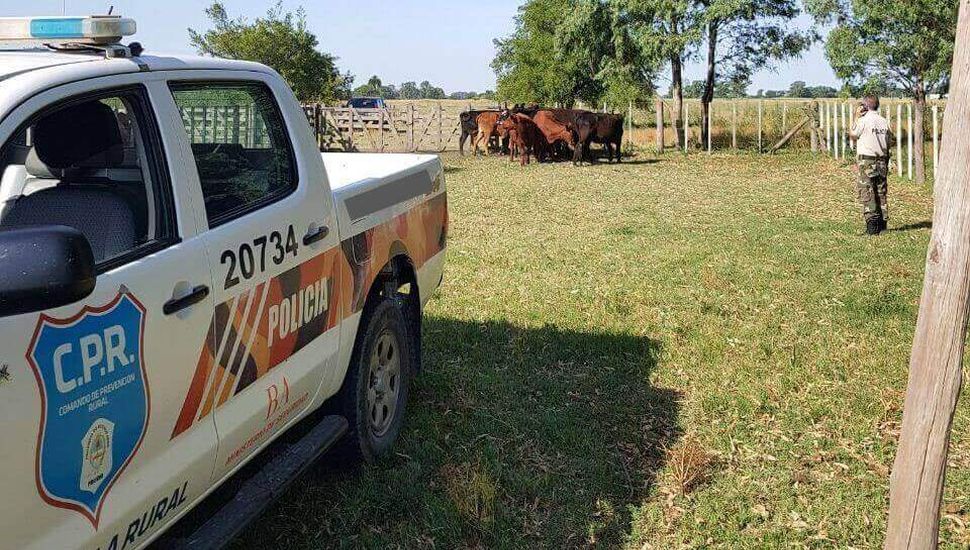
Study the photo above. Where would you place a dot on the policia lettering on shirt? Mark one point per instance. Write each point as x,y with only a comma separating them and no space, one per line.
873,143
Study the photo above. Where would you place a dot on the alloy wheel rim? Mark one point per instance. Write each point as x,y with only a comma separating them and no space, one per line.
383,383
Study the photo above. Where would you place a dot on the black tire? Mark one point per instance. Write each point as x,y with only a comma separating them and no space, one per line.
374,417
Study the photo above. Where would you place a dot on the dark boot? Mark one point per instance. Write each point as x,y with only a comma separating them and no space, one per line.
873,226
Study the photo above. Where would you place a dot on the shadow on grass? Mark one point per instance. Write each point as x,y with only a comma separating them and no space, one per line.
515,436
913,226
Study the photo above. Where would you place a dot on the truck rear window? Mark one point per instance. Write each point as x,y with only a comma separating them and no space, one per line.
240,144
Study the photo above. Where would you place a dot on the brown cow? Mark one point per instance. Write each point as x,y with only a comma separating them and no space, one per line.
524,137
554,128
487,123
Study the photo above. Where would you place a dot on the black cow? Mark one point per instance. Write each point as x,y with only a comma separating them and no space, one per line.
598,128
469,126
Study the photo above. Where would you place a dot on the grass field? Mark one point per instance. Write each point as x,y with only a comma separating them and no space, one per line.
675,352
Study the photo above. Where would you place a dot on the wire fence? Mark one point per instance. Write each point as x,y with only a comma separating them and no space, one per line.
742,125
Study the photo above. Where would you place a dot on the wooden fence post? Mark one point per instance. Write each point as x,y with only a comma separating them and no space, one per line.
410,127
440,136
784,118
936,141
909,141
835,131
710,128
813,136
845,129
734,125
838,126
318,132
760,122
936,363
660,126
828,127
686,123
899,138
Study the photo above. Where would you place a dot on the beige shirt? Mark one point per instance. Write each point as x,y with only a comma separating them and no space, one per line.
872,135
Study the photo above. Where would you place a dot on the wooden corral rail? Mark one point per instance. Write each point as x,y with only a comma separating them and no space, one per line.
407,129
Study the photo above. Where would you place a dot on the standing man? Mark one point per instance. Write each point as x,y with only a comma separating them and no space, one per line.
873,141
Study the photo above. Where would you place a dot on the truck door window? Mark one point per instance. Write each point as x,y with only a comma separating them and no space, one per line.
93,163
240,144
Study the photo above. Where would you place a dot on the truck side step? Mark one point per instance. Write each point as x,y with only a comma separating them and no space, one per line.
241,499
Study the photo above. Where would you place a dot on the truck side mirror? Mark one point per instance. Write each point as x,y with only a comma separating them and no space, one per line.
43,267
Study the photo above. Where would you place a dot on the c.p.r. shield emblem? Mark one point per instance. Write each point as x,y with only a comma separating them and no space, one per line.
94,401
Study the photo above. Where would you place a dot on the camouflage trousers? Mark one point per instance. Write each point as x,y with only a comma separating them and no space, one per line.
872,188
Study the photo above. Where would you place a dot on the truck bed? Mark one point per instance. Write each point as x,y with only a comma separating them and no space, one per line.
371,188
345,169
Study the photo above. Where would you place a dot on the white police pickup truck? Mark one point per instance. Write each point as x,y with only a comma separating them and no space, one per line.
186,281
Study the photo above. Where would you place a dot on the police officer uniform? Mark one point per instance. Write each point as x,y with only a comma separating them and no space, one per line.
873,138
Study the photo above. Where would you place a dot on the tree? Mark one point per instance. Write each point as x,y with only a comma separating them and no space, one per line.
279,40
431,92
596,39
722,89
666,31
798,89
526,64
743,36
409,90
936,363
905,43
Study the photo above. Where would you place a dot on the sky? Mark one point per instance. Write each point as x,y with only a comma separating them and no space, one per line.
447,42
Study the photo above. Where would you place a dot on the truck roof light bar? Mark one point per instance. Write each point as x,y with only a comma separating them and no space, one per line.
93,29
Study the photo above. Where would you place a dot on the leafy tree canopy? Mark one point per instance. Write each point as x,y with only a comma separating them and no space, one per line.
890,43
280,40
526,63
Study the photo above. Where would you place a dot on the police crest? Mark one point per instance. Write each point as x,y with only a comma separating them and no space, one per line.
94,401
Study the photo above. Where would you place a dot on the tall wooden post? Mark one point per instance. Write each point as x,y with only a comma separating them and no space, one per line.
936,141
936,363
660,126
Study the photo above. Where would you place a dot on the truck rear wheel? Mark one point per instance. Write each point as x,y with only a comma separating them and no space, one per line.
375,392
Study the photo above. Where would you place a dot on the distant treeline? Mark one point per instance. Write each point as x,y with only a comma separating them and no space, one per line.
797,89
375,87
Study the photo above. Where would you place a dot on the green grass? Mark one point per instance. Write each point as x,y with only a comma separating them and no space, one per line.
593,319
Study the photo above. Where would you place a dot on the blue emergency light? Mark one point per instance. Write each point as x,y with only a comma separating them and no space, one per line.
95,29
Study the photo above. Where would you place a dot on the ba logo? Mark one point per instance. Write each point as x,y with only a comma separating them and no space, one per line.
94,401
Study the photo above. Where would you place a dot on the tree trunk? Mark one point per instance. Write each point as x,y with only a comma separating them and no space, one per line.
677,91
709,82
919,149
936,363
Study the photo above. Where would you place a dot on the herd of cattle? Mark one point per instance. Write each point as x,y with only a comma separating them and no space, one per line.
546,134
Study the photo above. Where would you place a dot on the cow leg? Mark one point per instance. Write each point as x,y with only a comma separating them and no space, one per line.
461,142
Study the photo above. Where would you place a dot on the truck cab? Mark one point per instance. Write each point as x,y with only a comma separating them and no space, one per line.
186,277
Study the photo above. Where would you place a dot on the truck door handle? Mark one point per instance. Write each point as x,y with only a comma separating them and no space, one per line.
174,305
315,235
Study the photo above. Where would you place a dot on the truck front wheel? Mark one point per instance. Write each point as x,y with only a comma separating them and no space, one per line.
375,393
